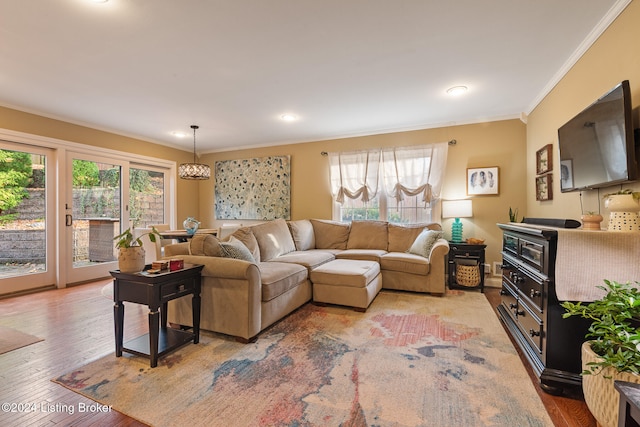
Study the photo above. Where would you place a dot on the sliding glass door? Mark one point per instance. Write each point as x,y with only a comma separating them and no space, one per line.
27,217
61,205
105,197
94,214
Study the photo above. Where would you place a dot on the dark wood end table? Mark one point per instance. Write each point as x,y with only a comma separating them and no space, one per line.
155,291
629,409
467,255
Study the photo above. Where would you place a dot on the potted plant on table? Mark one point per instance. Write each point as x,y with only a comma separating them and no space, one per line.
131,254
613,350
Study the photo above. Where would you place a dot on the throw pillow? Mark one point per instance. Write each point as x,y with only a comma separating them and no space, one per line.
245,235
234,248
204,244
424,242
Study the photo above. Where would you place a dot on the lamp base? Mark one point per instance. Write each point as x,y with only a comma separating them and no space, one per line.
456,231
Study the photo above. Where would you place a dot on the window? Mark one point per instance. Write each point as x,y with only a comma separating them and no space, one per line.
410,179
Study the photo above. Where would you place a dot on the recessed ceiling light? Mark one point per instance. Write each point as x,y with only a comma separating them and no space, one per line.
457,90
288,117
179,134
98,1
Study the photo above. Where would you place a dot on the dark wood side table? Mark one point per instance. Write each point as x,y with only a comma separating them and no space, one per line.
463,255
629,412
155,291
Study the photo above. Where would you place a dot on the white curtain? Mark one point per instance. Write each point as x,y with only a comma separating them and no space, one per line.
410,171
355,175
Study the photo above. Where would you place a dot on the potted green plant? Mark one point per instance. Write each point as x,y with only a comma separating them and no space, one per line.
513,215
131,254
612,351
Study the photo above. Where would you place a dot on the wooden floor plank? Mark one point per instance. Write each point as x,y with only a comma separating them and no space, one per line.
77,326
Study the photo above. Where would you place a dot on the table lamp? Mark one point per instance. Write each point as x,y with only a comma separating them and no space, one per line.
457,209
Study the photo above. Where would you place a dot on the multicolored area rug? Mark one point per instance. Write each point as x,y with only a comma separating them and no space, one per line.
410,360
11,339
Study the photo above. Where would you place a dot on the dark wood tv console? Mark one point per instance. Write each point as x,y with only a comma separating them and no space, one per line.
531,311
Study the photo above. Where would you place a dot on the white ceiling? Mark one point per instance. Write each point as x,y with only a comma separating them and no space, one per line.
146,68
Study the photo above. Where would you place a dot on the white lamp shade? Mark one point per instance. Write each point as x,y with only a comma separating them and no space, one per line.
457,208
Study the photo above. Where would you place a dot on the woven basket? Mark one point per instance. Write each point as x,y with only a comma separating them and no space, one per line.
468,275
601,397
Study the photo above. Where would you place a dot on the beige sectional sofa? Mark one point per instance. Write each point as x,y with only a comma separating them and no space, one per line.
263,272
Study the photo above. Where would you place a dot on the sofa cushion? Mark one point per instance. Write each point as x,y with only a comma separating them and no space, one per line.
234,248
205,244
302,234
330,234
274,239
345,272
401,237
245,235
405,262
424,242
361,254
280,277
368,235
310,259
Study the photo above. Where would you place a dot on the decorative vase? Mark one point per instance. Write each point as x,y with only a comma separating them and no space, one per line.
131,260
601,397
624,212
591,221
191,225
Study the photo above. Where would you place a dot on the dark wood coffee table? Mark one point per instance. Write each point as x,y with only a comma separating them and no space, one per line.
155,291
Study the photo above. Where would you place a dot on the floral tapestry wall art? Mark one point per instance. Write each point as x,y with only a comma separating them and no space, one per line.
257,188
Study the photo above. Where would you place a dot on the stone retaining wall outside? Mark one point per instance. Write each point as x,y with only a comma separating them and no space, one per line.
28,245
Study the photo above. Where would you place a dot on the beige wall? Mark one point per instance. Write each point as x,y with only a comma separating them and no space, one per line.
612,58
188,203
499,144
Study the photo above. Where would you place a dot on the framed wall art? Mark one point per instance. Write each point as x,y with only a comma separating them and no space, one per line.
257,188
544,187
544,159
482,181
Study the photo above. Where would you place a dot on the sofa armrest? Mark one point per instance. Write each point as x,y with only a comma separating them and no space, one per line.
231,297
225,268
176,249
439,250
437,258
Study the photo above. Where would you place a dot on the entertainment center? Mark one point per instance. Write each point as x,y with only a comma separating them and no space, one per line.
530,308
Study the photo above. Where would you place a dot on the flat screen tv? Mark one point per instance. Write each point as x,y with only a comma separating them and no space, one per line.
597,146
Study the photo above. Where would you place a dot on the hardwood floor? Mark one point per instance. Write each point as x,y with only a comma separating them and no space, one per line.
77,326
568,410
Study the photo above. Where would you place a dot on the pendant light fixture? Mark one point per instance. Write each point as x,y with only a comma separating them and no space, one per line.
194,170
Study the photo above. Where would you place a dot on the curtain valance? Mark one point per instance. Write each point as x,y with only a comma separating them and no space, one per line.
402,171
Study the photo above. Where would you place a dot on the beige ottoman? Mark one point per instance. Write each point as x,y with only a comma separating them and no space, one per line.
347,282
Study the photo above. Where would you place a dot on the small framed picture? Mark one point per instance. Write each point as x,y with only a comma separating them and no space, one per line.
482,181
544,187
544,159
